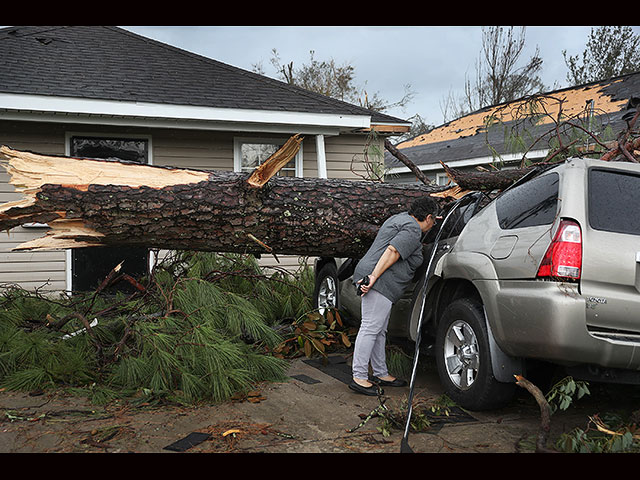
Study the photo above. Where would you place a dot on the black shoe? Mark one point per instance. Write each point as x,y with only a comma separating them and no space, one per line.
371,391
386,383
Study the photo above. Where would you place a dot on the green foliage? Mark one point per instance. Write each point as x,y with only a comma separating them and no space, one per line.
614,436
610,435
202,330
610,51
561,395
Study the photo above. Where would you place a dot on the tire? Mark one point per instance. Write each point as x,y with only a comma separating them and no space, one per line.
464,361
326,292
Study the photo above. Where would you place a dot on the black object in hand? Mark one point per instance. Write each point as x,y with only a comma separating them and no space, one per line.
365,281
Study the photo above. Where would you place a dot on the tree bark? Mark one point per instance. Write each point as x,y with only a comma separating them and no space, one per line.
101,203
485,181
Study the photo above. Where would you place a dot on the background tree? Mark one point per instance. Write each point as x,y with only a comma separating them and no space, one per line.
418,127
329,78
610,52
498,78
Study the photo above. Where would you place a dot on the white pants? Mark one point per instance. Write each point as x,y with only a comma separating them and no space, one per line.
372,336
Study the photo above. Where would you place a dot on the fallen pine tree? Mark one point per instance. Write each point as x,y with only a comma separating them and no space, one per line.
89,202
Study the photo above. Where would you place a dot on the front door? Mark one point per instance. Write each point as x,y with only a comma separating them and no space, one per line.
89,266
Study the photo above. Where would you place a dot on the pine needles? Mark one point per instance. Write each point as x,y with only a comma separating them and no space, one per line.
201,328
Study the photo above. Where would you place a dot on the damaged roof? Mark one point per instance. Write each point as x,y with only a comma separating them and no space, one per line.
466,138
110,63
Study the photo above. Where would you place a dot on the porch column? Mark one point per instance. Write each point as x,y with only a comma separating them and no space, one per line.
322,159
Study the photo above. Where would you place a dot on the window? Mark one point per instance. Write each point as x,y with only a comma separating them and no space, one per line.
127,149
443,179
250,153
530,204
614,205
89,266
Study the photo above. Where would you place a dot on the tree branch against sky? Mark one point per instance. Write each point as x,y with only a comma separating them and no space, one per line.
498,78
610,52
337,81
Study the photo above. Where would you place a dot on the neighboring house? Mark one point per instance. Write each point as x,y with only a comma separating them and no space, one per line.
104,92
466,143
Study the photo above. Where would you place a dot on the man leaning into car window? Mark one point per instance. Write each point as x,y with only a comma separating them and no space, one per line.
389,264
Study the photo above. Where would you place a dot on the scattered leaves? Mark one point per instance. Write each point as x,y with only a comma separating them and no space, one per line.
315,333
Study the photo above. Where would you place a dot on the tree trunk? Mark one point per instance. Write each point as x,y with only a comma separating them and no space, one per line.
485,181
102,203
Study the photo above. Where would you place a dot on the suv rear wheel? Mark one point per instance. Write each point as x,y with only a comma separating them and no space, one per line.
464,360
325,295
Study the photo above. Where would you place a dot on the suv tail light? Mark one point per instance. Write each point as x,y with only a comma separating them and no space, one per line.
564,257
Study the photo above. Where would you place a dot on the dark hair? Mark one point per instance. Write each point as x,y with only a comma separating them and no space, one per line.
423,207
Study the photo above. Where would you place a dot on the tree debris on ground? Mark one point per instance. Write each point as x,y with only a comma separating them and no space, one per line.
203,327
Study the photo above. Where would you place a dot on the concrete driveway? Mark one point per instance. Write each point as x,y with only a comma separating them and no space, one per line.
313,411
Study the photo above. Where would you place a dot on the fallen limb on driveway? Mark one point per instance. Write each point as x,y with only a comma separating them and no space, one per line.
90,203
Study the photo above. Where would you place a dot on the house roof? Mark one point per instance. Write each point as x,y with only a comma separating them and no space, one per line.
467,138
110,63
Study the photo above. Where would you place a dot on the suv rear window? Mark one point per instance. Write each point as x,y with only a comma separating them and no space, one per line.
614,203
530,204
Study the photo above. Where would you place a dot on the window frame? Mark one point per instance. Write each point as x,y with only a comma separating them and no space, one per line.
238,142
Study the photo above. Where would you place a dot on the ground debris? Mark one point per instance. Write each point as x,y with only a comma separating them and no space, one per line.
225,436
100,436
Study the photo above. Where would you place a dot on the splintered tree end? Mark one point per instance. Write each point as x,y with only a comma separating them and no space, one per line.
271,166
64,234
29,171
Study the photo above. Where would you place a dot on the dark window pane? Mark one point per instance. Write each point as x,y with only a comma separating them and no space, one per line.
532,203
614,202
89,266
130,150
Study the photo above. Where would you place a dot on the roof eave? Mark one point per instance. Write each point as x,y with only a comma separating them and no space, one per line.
71,109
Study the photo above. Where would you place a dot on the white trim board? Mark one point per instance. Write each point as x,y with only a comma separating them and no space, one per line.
66,109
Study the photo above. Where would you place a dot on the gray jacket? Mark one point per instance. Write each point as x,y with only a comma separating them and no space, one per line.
403,232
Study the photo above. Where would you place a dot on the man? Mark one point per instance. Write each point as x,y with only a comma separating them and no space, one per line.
390,263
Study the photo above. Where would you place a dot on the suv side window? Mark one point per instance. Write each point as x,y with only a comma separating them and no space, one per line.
532,203
614,205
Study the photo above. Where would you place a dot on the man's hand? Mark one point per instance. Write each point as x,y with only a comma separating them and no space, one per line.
388,258
367,287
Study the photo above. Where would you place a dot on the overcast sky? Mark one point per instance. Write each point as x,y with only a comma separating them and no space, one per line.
433,60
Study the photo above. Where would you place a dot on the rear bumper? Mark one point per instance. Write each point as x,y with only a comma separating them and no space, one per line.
547,321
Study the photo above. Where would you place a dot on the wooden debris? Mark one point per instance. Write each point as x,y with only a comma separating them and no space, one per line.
275,162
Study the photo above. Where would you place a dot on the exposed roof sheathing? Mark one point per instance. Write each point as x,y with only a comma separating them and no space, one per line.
574,101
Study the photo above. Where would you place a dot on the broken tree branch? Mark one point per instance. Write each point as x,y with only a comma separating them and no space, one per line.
275,162
545,413
403,158
485,181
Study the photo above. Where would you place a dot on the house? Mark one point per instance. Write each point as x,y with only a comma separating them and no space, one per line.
468,142
104,92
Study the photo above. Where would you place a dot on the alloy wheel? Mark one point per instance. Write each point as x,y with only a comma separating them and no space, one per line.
327,294
461,355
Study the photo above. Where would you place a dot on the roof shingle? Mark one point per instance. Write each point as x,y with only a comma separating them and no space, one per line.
110,63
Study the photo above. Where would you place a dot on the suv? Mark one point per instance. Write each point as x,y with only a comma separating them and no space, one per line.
549,270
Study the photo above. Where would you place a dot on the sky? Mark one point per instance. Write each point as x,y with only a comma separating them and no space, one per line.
433,60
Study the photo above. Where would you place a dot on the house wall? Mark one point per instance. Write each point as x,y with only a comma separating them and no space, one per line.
168,147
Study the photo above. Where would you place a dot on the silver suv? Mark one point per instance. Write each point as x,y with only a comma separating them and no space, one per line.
549,270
